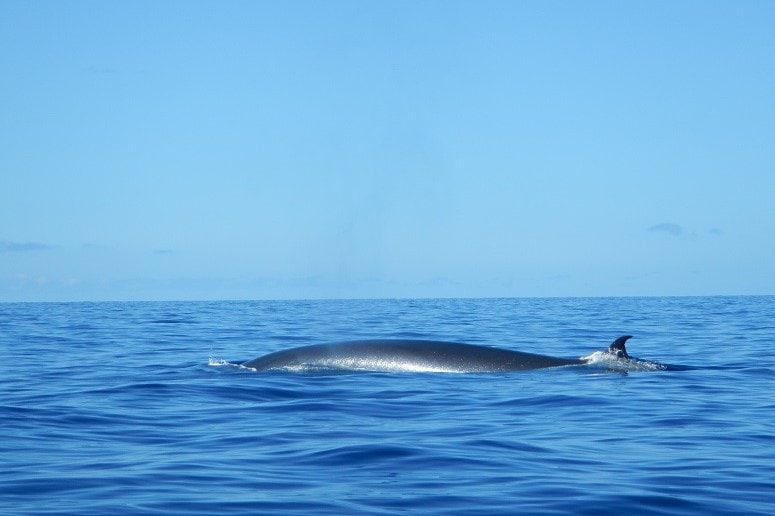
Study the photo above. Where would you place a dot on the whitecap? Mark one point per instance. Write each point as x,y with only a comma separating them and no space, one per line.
605,360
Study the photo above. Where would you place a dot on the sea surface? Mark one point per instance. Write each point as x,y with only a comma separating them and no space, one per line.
134,408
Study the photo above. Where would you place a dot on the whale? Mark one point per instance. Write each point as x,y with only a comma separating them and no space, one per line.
393,355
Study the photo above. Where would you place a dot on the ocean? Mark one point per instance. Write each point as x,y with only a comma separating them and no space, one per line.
134,408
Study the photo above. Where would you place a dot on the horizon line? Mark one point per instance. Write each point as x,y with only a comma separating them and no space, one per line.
387,298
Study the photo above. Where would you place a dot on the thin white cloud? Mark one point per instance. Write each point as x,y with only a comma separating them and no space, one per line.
22,247
669,228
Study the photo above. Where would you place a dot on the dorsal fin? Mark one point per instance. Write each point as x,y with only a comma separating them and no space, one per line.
617,347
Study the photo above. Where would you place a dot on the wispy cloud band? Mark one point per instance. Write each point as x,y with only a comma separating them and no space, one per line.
669,228
22,247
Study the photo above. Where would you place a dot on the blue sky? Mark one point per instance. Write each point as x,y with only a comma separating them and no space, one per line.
232,150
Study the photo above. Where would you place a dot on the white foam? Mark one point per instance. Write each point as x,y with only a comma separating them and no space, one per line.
604,360
219,362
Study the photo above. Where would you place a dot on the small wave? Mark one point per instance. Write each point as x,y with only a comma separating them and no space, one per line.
172,320
607,361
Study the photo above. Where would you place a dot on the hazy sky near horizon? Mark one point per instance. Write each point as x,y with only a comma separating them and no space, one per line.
232,150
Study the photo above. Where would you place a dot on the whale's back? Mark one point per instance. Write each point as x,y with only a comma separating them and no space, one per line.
405,355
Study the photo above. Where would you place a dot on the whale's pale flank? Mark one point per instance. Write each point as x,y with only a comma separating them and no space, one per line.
415,355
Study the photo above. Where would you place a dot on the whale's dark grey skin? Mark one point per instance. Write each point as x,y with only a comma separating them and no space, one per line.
414,356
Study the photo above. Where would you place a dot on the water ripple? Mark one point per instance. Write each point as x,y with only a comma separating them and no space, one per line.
124,414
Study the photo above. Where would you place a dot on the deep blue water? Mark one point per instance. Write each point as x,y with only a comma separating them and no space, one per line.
129,408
